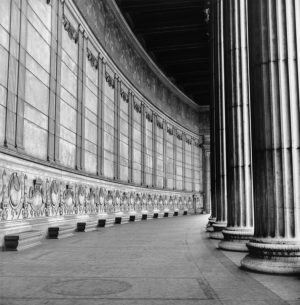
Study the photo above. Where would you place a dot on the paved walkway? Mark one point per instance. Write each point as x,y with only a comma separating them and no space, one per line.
154,262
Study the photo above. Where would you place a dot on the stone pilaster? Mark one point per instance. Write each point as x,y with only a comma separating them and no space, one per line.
130,133
80,130
117,93
16,76
53,79
174,157
206,177
154,156
274,42
165,153
220,151
143,133
100,119
193,164
183,160
239,177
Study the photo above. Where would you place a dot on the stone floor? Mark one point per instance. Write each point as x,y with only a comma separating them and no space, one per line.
153,262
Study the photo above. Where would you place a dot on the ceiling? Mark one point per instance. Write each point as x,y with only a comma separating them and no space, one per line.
175,35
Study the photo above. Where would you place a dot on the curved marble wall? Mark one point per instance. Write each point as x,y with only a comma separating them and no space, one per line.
83,129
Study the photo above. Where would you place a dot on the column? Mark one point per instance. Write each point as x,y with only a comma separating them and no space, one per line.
154,143
100,121
80,130
117,93
221,179
274,44
130,132
239,177
212,217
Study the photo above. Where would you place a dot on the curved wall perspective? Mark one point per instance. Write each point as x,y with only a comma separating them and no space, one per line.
85,128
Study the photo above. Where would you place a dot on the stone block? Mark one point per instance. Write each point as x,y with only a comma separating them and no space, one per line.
81,226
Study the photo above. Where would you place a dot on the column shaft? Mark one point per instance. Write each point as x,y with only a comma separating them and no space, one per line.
220,151
274,44
154,143
239,181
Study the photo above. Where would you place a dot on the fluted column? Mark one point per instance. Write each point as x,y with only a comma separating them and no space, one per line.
238,150
220,152
274,43
212,217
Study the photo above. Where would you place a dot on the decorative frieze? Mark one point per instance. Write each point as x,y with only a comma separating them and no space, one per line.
27,197
92,59
72,32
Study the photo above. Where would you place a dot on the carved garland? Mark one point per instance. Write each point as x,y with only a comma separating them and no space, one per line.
92,59
160,124
188,141
179,136
124,96
170,130
149,116
137,107
109,80
73,34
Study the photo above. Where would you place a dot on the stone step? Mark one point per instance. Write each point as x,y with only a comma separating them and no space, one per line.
61,231
22,241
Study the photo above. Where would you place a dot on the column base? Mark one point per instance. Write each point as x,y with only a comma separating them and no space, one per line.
209,226
218,226
277,256
235,239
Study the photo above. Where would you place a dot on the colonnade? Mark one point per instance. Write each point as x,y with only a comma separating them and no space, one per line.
256,131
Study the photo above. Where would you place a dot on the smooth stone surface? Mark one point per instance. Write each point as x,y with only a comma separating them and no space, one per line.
166,262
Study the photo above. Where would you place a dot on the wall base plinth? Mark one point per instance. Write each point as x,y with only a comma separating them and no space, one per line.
218,227
276,256
235,239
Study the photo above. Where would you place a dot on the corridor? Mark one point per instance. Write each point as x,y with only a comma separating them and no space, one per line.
153,262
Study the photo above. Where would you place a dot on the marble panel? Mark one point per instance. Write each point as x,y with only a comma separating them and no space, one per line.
108,142
70,62
67,153
36,93
90,147
35,140
2,121
68,116
42,10
37,70
90,131
5,14
35,116
4,38
67,135
68,80
90,162
68,98
91,117
4,66
37,47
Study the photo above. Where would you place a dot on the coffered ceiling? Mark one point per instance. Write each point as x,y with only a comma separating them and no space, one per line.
175,33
